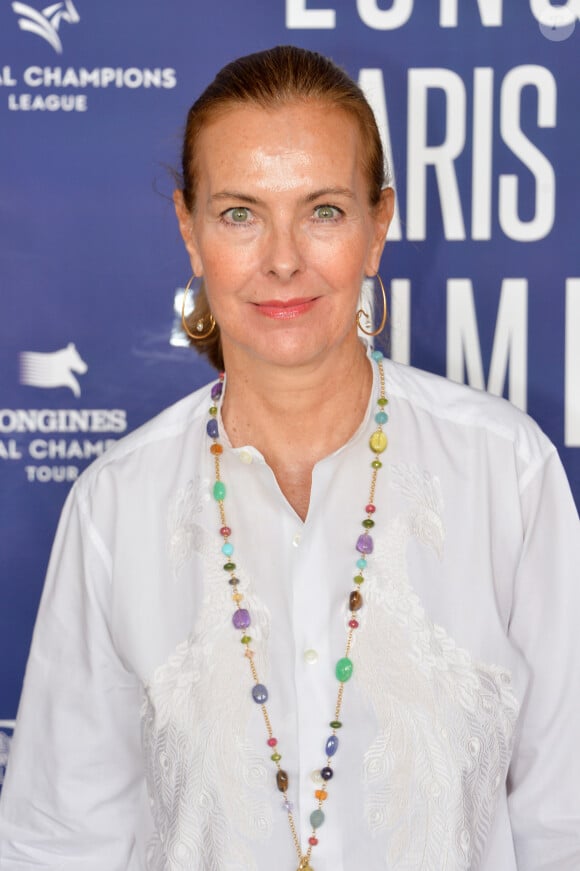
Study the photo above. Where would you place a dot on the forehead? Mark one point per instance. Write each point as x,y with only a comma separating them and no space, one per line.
282,147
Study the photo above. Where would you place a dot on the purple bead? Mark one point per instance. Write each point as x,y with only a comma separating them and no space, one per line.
212,428
331,745
216,390
241,619
260,694
364,543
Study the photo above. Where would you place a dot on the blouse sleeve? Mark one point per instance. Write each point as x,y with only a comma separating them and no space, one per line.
544,777
75,773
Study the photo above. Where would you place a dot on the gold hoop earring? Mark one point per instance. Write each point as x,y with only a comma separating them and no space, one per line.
199,334
362,313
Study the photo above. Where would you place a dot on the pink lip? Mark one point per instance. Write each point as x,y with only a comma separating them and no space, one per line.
285,309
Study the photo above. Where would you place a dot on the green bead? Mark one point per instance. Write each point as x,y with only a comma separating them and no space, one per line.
246,639
335,724
358,579
229,567
213,410
219,491
382,401
376,464
275,757
344,669
316,819
368,523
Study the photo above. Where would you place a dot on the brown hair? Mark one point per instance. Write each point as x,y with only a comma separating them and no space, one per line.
271,79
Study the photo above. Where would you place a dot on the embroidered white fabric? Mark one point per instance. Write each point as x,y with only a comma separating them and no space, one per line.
138,746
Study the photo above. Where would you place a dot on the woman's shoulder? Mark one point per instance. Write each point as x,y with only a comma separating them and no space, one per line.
450,404
159,435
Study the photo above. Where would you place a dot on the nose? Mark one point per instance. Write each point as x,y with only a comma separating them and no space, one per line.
283,256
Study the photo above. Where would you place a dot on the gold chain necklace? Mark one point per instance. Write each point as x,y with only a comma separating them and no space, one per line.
242,620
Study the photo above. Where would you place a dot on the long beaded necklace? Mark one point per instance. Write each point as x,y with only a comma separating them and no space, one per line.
242,620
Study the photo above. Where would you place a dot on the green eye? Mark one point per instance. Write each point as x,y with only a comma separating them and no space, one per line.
326,213
239,215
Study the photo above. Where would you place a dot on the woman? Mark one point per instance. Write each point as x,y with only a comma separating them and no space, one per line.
266,638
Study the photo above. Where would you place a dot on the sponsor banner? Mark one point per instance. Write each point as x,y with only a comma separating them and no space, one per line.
478,106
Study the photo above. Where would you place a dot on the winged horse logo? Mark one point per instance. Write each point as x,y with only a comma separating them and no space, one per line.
46,22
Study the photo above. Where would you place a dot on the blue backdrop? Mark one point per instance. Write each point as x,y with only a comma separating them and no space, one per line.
478,103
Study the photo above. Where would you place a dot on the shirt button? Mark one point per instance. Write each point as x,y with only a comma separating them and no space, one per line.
311,657
296,540
245,457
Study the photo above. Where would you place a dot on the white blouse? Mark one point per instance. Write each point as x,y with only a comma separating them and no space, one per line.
138,745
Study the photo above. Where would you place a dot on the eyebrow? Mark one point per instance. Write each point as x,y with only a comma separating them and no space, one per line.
315,195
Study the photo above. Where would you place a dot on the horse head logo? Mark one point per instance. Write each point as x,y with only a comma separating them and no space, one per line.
46,22
53,369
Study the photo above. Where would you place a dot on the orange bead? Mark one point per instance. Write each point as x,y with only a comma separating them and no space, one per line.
216,449
237,597
321,794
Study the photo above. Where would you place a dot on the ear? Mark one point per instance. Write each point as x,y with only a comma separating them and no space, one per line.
382,217
185,221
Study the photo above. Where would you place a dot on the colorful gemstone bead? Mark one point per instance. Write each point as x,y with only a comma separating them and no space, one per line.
327,773
355,600
316,776
321,794
246,639
241,618
368,523
358,579
288,805
353,624
361,563
216,390
376,464
282,780
216,449
272,742
316,819
260,694
275,757
336,724
213,410
364,543
234,581
377,355
225,531
381,417
312,841
378,442
370,508
382,401
219,491
229,567
331,745
212,428
237,597
227,549
344,669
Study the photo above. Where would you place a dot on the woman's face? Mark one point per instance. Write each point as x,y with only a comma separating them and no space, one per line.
282,230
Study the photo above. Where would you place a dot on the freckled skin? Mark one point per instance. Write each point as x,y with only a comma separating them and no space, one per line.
283,232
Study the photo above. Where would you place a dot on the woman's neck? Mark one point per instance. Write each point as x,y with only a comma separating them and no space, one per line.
297,416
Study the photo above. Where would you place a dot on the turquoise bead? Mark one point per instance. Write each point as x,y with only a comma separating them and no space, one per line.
361,563
377,355
344,669
381,417
316,819
219,491
227,549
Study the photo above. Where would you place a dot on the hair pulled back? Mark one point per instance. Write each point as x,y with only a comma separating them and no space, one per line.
271,79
